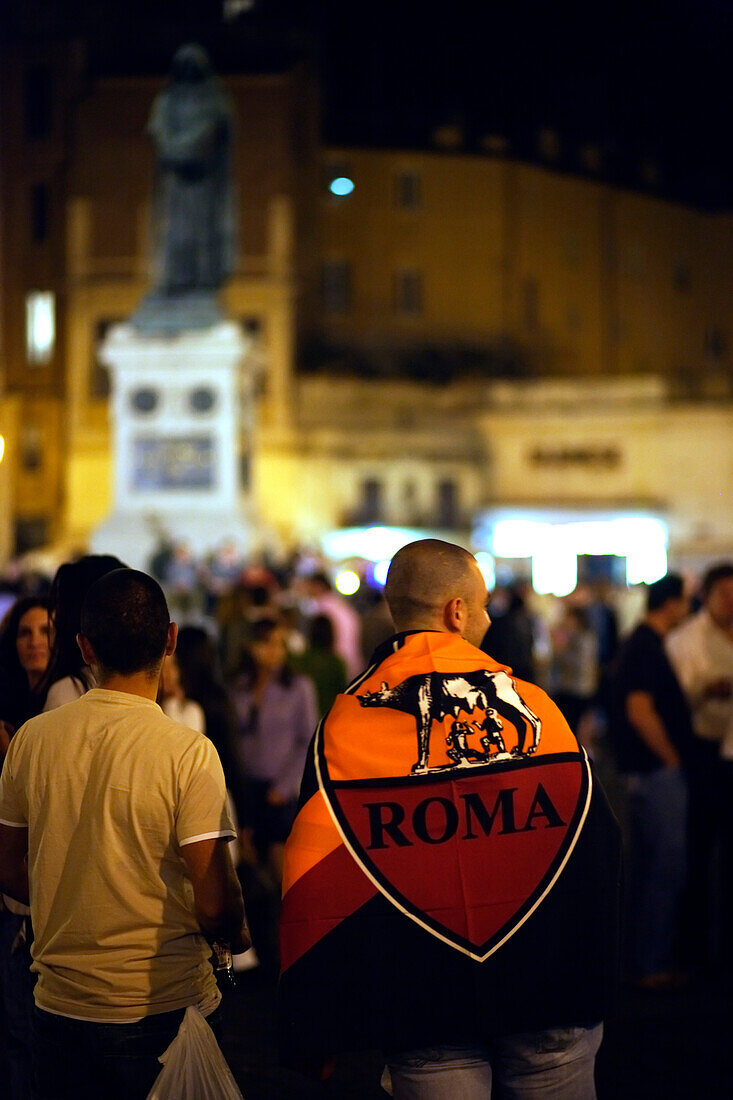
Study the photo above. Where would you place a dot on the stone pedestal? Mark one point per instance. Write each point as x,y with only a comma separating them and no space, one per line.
179,408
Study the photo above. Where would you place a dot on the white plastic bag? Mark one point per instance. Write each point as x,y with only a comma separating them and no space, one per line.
193,1066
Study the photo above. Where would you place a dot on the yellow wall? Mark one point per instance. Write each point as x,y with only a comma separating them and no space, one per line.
485,230
604,262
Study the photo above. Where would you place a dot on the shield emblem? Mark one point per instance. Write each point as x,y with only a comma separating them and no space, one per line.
470,853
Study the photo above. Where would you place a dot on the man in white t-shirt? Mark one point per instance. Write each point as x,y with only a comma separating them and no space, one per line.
113,822
701,652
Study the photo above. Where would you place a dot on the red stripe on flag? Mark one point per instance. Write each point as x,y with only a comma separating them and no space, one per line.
318,902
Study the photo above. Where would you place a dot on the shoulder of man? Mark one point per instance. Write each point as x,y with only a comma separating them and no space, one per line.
688,633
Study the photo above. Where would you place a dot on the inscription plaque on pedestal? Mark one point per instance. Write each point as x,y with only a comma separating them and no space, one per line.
182,462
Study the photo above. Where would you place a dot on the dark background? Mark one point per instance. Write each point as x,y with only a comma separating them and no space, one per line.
641,81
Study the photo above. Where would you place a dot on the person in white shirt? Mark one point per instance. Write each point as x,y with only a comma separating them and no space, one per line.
173,700
114,827
701,652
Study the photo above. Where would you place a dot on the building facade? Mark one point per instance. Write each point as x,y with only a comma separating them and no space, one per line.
441,338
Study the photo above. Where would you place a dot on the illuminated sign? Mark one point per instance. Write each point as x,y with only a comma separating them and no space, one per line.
554,544
587,457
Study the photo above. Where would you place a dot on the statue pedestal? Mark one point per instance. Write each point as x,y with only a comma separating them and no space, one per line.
179,406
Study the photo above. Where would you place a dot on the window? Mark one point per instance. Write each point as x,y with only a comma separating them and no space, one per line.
681,280
407,190
716,345
40,327
39,212
31,533
408,292
336,286
37,102
371,506
531,304
447,504
31,449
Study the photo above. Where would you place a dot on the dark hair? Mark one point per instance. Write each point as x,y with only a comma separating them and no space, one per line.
669,587
125,618
198,664
321,633
580,615
259,596
70,585
722,571
259,631
16,693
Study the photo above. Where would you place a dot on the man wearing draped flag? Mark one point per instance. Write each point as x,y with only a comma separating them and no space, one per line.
450,892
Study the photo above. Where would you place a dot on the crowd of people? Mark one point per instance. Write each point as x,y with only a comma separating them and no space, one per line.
261,654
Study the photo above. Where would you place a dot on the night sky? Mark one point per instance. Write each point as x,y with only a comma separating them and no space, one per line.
636,79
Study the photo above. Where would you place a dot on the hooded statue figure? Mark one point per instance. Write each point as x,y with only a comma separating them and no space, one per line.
193,217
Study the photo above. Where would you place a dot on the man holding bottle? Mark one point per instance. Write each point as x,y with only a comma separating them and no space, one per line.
113,822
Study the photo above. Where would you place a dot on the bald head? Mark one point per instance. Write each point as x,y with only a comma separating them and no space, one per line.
435,585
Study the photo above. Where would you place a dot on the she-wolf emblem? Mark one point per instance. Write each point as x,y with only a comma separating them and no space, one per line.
433,696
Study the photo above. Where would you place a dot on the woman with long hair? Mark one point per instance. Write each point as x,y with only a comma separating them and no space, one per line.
67,677
173,699
24,654
201,681
276,715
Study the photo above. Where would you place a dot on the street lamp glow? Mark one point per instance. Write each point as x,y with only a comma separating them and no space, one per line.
555,565
347,582
381,569
40,326
486,564
341,186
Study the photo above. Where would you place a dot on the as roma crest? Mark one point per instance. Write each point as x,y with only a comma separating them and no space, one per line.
470,847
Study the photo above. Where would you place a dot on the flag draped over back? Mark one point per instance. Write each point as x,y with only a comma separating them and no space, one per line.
453,867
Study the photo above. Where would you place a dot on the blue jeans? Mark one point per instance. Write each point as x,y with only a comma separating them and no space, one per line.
16,989
657,867
78,1060
557,1064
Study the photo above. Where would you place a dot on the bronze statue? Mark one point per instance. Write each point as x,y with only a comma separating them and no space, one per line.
193,217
